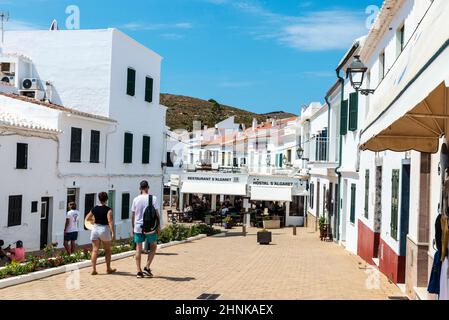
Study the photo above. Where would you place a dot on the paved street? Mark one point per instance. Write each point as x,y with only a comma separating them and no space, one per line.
234,267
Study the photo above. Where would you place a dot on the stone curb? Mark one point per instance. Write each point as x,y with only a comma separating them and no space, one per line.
9,282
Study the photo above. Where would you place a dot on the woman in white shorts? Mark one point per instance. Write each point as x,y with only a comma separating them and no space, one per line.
102,231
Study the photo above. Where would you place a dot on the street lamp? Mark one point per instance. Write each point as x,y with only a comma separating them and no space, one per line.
268,160
356,73
300,153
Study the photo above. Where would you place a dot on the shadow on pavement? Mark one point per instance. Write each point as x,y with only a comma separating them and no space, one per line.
175,279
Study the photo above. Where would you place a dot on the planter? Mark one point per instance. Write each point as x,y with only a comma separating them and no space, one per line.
209,220
227,225
272,224
264,238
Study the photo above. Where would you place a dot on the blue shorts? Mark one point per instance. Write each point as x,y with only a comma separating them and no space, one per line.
141,238
71,236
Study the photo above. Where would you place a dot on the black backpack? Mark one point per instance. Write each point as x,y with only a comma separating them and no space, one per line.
150,218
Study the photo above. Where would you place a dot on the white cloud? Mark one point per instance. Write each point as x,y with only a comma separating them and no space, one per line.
326,30
311,31
320,74
21,25
156,26
172,36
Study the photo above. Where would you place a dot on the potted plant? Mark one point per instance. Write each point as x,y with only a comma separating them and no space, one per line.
264,237
227,223
271,223
209,219
323,228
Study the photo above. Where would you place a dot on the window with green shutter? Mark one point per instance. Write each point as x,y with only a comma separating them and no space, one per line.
367,194
146,145
131,84
353,110
352,210
394,203
311,195
344,118
22,156
128,150
149,89
75,145
125,206
94,146
15,211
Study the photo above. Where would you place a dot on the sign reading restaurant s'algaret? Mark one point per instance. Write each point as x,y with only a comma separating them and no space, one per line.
213,179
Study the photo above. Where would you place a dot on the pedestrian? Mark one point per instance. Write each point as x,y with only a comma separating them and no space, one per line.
102,232
4,254
139,206
71,228
18,253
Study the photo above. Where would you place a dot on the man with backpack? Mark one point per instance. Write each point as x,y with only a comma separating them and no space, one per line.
146,227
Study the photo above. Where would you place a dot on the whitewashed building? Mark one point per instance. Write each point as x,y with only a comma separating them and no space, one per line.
114,135
406,53
259,163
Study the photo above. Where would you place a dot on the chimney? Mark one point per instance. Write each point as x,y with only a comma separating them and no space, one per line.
254,123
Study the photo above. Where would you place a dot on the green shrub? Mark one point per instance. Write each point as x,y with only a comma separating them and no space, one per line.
3,274
16,269
203,229
174,232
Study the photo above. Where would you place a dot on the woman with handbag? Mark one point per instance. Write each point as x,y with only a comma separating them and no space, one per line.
102,231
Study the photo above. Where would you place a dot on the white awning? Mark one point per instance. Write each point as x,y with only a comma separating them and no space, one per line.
410,108
269,193
233,189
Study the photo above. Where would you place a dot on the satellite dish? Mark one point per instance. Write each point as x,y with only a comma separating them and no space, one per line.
54,25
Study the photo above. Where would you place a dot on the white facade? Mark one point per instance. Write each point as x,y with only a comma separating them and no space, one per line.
88,70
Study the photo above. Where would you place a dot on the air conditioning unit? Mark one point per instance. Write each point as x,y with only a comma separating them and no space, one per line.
30,84
8,79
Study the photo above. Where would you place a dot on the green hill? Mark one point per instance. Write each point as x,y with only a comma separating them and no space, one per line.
183,110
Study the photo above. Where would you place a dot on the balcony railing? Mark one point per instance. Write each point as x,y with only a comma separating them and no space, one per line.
324,150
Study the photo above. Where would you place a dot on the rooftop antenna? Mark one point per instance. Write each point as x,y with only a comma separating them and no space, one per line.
4,16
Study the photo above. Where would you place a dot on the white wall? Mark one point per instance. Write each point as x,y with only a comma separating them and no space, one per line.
77,62
39,180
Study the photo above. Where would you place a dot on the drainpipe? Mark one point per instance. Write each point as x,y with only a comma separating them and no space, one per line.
342,83
326,98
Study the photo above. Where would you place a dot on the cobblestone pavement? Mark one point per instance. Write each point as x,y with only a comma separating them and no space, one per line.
234,267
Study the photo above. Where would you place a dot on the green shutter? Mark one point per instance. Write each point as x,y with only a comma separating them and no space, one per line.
366,194
128,150
149,89
353,111
344,118
146,150
394,203
131,84
353,195
125,206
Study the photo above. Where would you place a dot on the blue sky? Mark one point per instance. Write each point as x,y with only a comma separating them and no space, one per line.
260,55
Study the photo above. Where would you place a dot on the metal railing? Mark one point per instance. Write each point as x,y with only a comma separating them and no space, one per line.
322,150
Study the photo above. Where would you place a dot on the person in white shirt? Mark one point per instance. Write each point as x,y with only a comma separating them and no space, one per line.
71,228
140,203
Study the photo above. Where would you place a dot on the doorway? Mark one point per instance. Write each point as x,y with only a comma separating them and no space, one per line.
405,209
318,200
377,210
344,206
45,218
